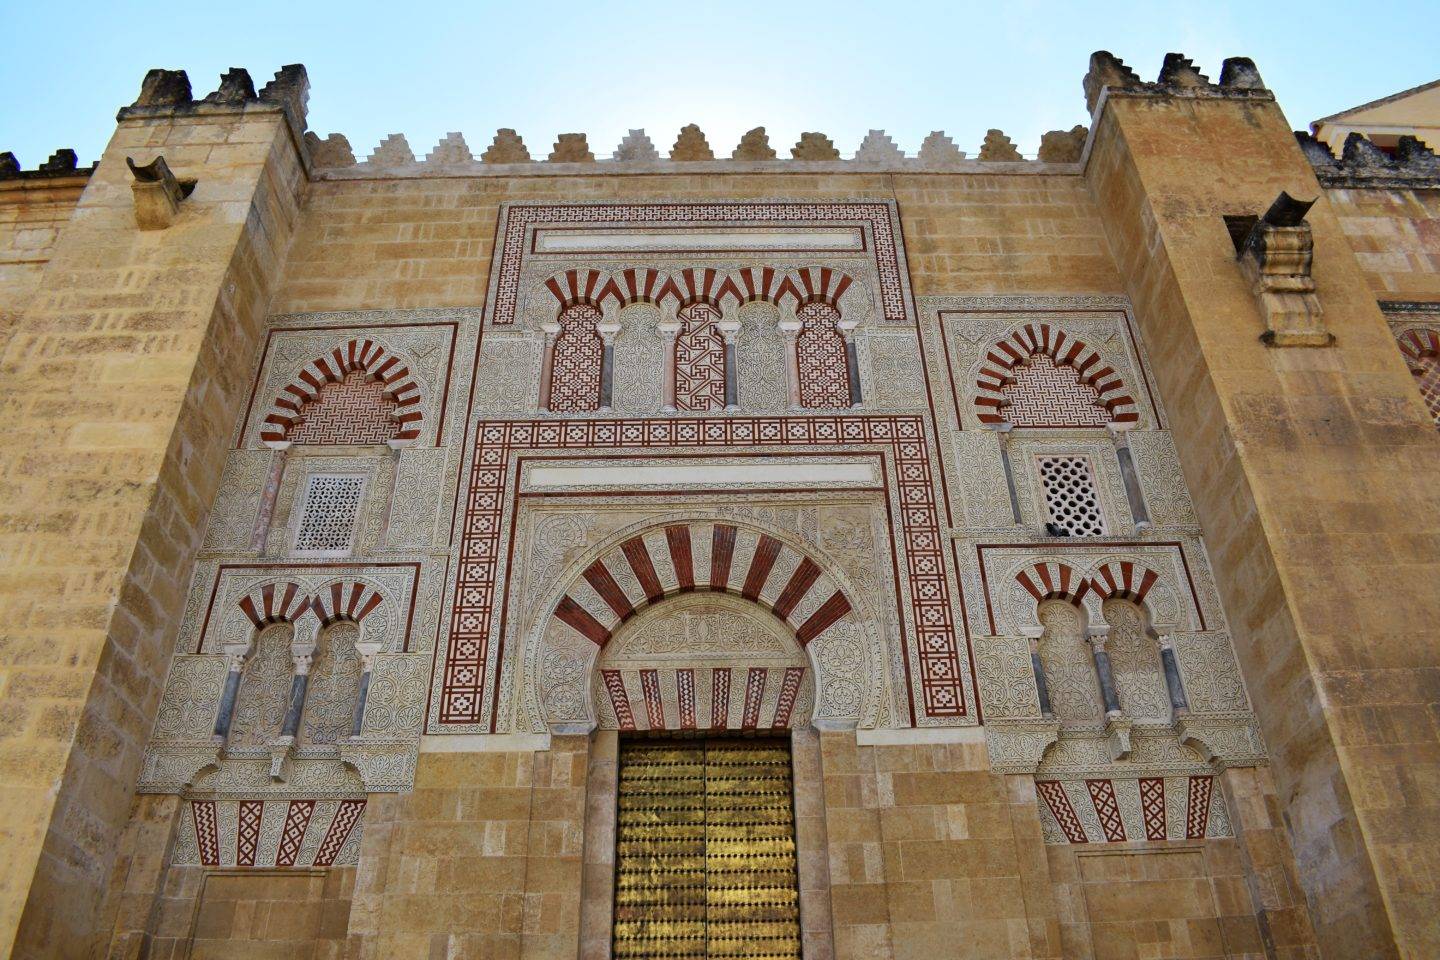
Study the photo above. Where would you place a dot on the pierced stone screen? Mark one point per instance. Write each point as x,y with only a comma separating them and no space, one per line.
327,519
1070,495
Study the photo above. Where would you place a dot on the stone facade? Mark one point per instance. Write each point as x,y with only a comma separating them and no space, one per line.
1060,512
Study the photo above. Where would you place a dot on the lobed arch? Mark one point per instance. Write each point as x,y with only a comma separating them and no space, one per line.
656,561
283,601
803,285
276,601
1089,588
1019,348
365,357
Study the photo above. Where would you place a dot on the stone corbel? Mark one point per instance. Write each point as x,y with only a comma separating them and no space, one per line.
1018,745
790,330
1222,740
1117,734
157,193
1276,255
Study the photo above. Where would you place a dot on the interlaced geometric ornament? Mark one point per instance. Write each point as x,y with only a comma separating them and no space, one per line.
699,360
329,514
353,411
1427,378
575,366
1070,495
820,355
1042,394
1421,347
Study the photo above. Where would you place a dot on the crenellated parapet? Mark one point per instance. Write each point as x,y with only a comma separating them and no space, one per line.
1362,163
508,155
168,93
62,163
1179,77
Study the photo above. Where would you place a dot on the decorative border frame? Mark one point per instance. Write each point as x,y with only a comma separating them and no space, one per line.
1051,310
469,679
503,298
246,433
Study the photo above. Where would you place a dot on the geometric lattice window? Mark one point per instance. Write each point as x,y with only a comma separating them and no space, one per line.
1070,494
821,356
353,411
1043,394
699,360
575,363
329,515
1421,347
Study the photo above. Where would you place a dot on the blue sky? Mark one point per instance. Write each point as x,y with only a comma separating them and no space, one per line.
842,68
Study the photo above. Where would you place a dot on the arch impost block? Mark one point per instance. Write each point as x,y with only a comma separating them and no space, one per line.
1018,745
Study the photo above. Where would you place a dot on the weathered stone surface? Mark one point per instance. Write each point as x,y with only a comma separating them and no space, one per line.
130,358
333,151
636,148
164,88
393,151
571,148
691,145
507,147
235,87
878,148
939,150
1063,146
452,148
754,145
814,146
997,146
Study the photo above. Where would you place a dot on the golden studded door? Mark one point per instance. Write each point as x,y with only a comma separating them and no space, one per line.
705,850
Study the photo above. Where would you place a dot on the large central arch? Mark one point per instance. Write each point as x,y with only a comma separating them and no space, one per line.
669,565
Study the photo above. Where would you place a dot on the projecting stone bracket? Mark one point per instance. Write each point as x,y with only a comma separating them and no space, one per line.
1017,745
1275,253
158,193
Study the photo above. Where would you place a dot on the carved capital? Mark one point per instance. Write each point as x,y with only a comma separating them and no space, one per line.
367,650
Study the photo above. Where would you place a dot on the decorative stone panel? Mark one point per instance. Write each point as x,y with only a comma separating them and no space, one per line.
1114,810
267,833
299,350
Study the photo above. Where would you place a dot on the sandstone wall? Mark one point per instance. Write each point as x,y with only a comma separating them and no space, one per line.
1396,238
109,487
32,213
1305,465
